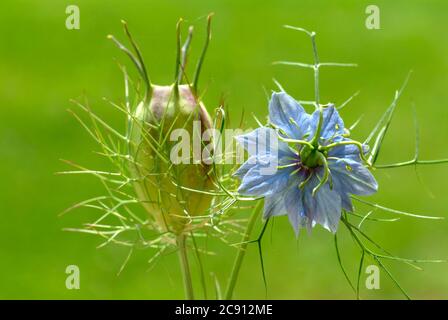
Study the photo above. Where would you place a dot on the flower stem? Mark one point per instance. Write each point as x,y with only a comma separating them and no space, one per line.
186,274
242,251
410,163
315,140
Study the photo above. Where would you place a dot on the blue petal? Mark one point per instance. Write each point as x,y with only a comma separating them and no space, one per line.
274,206
263,141
245,167
288,115
324,207
296,221
346,201
332,125
289,202
263,178
352,177
295,208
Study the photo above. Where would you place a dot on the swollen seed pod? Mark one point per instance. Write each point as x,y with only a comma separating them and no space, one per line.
169,192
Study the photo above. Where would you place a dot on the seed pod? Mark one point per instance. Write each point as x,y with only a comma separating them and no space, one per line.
161,185
171,192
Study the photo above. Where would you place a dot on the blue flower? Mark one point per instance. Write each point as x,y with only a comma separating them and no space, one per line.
304,165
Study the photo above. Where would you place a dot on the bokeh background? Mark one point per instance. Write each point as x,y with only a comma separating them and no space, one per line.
43,65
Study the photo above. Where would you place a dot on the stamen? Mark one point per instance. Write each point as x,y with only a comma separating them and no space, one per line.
325,177
295,171
303,183
287,166
351,142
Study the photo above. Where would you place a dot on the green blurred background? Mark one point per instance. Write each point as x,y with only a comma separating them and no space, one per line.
43,65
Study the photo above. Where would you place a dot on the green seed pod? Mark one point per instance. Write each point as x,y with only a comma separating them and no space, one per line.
163,187
171,192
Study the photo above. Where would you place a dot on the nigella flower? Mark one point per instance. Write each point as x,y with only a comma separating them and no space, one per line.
316,166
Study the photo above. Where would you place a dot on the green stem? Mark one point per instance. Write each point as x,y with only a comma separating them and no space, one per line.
315,140
186,274
202,57
410,163
316,69
242,251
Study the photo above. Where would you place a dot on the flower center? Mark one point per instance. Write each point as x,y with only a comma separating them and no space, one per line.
311,157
